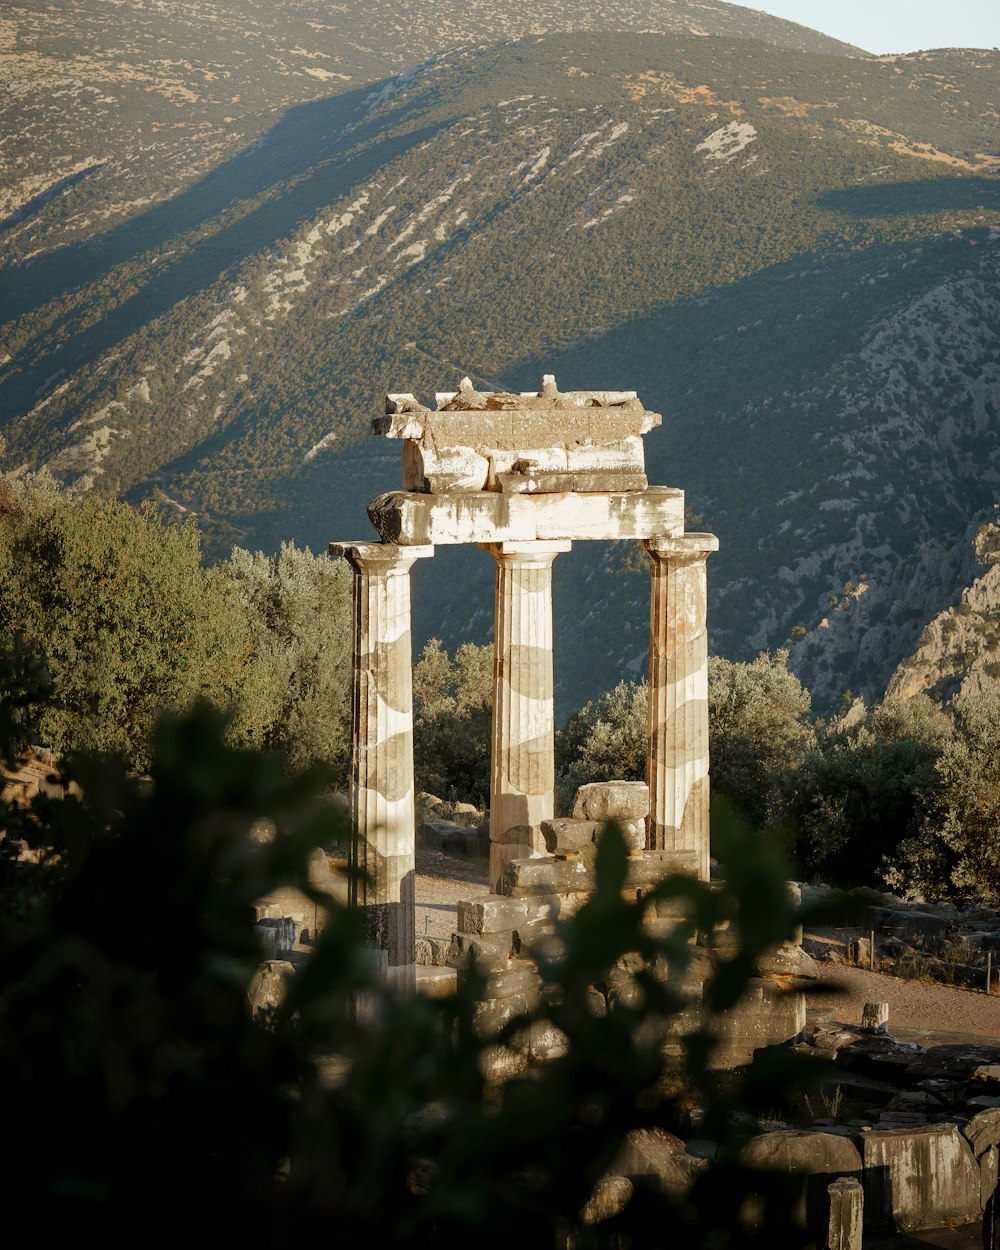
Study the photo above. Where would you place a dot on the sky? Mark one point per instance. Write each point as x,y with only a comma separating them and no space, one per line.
882,26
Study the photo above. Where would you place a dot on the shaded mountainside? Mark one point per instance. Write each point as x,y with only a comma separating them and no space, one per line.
958,652
792,254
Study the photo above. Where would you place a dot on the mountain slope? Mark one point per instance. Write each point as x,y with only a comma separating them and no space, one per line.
752,237
958,652
111,107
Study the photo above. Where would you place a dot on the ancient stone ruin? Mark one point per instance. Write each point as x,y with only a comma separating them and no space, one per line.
523,477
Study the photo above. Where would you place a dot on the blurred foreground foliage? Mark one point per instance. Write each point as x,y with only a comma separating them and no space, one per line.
141,1095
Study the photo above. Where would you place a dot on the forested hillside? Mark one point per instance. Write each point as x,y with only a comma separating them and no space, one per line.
788,247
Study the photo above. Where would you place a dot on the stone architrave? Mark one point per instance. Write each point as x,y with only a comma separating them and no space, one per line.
382,807
522,772
677,758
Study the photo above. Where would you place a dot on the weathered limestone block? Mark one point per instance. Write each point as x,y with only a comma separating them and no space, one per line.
653,1154
818,1157
436,982
845,1222
786,963
474,439
433,470
501,1063
875,1018
612,800
522,762
268,987
277,936
410,519
765,1016
539,938
983,1130
512,977
491,913
490,1015
569,834
988,1170
653,866
487,950
921,1177
528,481
611,1196
677,760
544,876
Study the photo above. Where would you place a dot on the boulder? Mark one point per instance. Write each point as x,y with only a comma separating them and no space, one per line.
819,1157
611,1196
268,987
654,1155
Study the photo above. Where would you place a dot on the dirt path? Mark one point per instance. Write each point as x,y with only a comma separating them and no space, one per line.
919,1011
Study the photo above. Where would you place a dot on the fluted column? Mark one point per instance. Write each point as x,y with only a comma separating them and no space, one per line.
384,833
677,758
522,763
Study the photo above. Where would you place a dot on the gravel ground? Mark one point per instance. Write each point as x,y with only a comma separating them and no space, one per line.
919,1011
441,881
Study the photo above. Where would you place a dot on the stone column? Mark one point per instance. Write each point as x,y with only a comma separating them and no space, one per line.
384,833
677,758
522,763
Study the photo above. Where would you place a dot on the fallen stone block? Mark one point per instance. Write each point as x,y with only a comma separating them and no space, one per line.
569,834
921,1177
786,963
544,876
516,977
491,1014
845,1221
486,950
611,1196
651,867
821,1158
491,913
612,800
268,987
983,1130
765,1016
499,1063
653,1154
436,982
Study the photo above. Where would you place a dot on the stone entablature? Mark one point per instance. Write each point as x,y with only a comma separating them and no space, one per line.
523,477
552,442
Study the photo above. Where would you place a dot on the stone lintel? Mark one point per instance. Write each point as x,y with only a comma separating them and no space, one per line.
409,519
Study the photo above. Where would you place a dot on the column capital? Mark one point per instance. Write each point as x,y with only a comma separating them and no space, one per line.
527,549
683,548
367,555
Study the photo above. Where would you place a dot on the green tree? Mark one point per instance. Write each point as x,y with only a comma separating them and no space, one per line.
759,733
862,789
118,608
452,702
605,740
955,854
295,696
